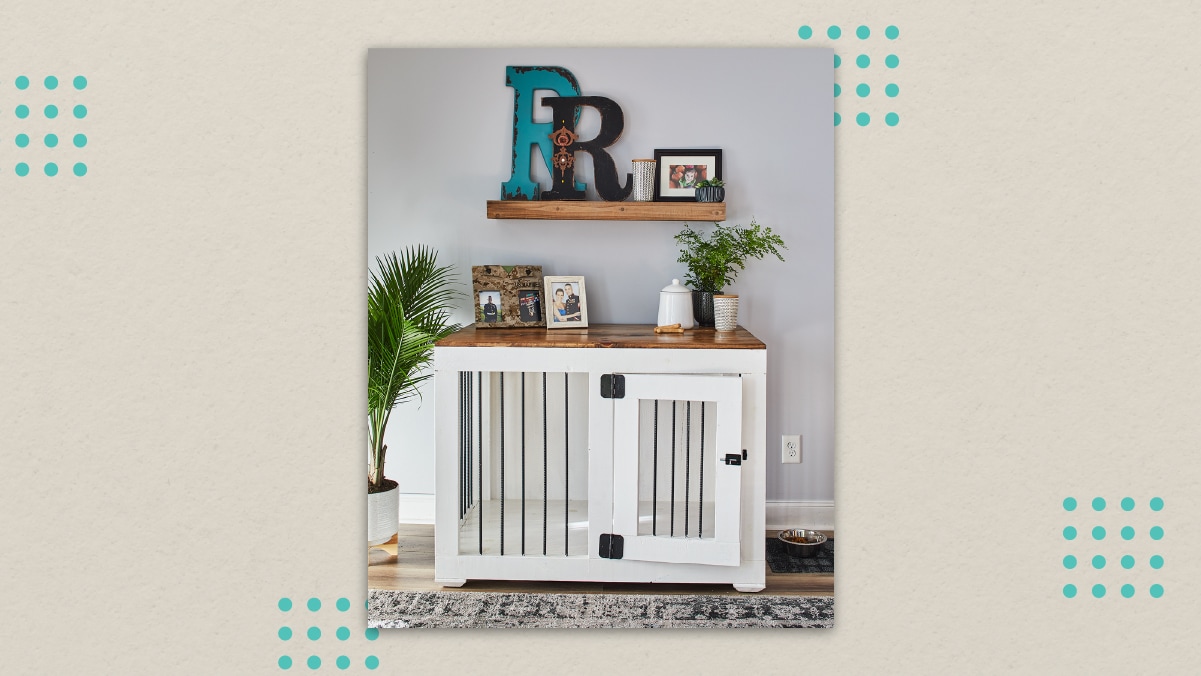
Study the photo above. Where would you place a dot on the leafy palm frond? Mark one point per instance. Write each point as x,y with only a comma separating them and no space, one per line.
409,300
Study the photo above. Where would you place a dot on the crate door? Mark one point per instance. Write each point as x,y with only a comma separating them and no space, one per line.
677,468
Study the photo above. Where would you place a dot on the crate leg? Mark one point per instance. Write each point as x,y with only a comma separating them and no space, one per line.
750,588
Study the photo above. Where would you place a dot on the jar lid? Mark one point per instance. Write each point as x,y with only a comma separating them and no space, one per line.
676,287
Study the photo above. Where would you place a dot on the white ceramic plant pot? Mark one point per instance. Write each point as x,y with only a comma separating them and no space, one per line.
725,312
383,514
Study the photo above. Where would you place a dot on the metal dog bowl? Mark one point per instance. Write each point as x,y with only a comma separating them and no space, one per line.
813,542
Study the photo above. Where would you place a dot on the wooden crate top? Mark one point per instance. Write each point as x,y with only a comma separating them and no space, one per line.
605,335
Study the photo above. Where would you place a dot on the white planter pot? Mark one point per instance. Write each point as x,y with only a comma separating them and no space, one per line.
725,312
383,515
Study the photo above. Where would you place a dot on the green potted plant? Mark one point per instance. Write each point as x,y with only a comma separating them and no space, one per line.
711,190
714,261
409,301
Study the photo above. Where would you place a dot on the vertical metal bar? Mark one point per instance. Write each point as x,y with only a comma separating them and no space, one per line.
545,465
471,440
566,474
502,463
462,439
674,406
655,472
523,463
479,458
700,500
465,462
687,458
467,455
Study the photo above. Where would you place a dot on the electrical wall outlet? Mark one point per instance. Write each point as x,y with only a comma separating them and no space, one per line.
790,448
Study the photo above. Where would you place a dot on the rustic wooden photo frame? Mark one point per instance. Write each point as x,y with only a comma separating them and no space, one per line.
508,296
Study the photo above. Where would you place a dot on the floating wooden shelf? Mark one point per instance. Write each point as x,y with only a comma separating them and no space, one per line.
607,211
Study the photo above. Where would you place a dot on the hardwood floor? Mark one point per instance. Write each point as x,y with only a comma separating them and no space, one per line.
407,563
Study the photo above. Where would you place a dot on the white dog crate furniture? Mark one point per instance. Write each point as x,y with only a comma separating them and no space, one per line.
607,454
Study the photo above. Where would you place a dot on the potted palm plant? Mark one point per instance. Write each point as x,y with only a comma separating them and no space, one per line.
714,261
409,301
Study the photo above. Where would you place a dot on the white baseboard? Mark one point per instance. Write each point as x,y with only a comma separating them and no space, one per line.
811,514
416,508
781,514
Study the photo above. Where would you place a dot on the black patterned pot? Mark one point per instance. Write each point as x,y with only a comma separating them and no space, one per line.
702,308
712,193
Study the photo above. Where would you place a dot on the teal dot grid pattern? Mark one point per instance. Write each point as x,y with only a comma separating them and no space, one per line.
1134,578
40,126
305,644
868,39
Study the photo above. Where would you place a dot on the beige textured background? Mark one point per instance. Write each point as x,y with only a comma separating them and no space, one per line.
180,341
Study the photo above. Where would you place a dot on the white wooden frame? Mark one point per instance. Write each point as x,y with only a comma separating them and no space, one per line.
453,569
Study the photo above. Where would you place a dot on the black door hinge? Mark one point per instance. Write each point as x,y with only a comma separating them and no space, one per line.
611,546
613,386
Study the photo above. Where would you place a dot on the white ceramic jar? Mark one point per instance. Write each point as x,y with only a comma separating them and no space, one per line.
675,305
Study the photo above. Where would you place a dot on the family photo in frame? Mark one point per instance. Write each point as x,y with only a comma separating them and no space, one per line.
678,171
507,296
567,308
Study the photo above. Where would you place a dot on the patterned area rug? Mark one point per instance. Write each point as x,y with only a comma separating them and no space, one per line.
781,560
476,610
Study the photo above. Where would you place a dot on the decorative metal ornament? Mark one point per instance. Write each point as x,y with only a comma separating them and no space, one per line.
563,137
563,160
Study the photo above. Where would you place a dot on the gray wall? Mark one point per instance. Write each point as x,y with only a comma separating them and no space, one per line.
439,139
